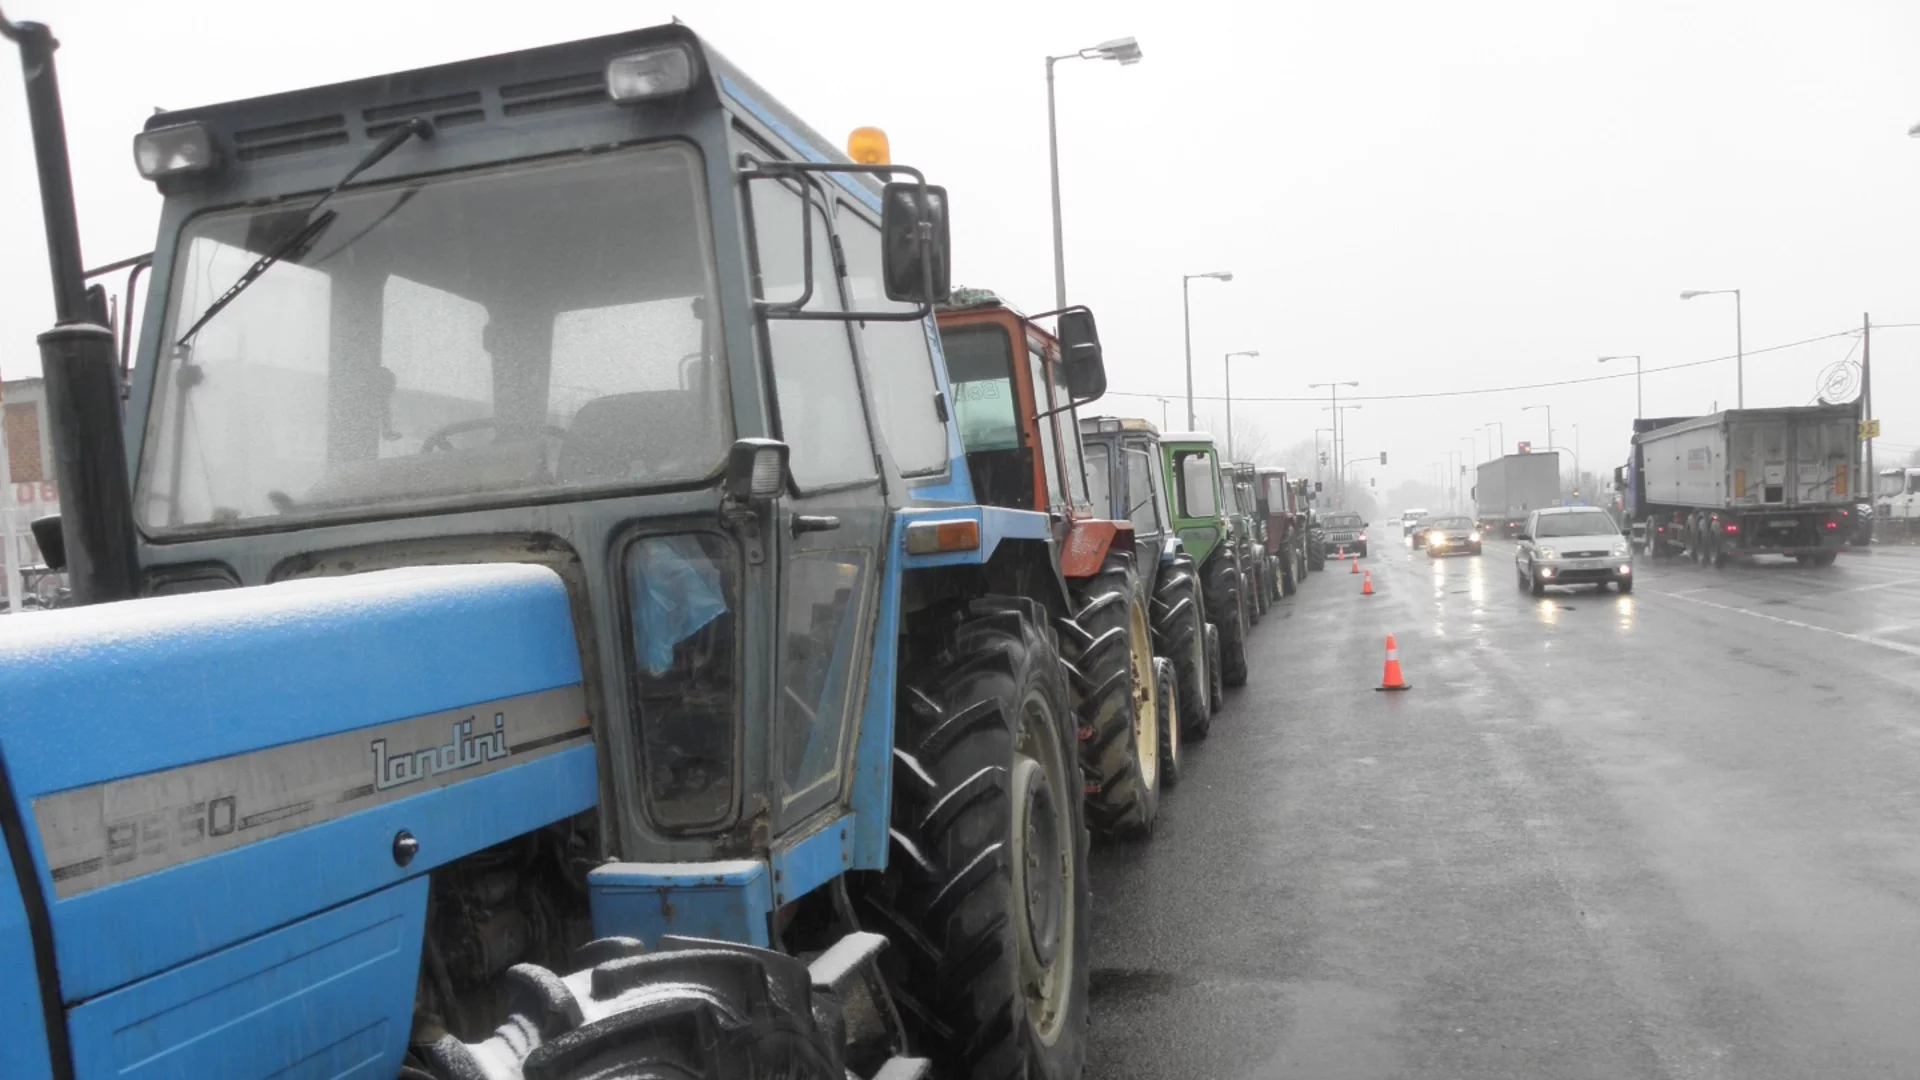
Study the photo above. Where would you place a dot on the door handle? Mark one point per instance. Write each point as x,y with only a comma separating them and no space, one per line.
809,523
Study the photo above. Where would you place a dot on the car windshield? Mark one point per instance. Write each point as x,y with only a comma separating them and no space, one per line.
479,337
1341,521
1451,523
1582,523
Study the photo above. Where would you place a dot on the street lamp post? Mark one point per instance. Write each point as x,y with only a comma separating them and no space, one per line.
1334,389
1739,341
1500,447
1186,315
1163,413
1549,408
1227,363
1473,444
1127,51
1340,439
1639,401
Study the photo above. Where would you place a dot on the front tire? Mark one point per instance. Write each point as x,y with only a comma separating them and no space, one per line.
1216,685
1171,744
1290,567
689,1008
1625,585
986,893
1535,585
1226,599
1180,635
1109,652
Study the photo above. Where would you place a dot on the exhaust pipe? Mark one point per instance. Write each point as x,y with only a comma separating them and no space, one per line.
77,360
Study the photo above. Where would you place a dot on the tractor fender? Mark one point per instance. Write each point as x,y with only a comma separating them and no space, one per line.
1087,545
1171,548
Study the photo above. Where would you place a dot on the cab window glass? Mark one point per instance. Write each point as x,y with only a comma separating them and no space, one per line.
1050,457
899,362
1142,508
681,595
1098,477
980,367
821,415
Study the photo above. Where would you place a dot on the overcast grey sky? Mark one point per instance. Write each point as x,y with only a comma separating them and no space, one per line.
1420,196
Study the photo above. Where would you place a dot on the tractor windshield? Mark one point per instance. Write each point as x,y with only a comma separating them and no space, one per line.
481,337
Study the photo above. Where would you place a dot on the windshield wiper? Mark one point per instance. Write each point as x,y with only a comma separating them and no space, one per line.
317,223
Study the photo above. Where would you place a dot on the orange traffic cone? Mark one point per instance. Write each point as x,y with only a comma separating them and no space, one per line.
1352,567
1393,680
1366,588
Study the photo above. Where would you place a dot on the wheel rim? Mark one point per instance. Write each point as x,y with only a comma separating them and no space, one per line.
1146,704
1043,872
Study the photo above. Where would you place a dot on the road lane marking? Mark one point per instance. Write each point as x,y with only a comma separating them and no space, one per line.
1880,585
1865,639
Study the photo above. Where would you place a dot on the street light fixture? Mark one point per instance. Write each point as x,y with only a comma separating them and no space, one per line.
1186,314
1227,363
1126,51
1549,408
1639,402
1739,340
1334,389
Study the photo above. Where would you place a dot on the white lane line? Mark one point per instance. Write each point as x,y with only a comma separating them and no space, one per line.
1864,639
1880,585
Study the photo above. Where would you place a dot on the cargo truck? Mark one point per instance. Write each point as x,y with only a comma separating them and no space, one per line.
1507,489
1744,482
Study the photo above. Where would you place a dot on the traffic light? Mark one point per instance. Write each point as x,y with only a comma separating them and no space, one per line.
1317,487
1383,457
1526,448
1370,482
1323,457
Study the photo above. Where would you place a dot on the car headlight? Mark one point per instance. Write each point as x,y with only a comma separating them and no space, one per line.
1619,551
1436,538
1473,538
1547,553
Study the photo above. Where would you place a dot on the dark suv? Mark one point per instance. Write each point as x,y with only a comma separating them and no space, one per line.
1343,531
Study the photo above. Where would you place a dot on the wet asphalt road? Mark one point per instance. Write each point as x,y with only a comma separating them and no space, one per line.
1671,834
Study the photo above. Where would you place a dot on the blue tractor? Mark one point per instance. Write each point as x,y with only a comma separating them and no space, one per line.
534,617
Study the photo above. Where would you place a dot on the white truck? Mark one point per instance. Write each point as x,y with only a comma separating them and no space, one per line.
1507,489
1746,482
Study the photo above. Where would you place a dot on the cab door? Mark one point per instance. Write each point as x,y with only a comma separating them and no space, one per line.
831,527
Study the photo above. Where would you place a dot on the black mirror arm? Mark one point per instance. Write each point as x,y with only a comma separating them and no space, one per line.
753,168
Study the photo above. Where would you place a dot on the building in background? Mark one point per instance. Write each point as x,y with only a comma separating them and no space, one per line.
27,488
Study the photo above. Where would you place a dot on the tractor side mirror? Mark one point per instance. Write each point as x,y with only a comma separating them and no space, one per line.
756,471
53,542
1086,369
916,252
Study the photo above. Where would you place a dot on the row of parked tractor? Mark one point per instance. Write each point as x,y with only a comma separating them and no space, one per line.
602,606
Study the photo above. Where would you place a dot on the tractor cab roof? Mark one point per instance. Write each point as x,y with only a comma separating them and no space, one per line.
1105,425
1187,437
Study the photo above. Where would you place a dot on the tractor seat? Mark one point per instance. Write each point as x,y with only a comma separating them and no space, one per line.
635,435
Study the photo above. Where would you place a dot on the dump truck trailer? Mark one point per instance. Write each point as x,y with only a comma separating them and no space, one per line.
1745,482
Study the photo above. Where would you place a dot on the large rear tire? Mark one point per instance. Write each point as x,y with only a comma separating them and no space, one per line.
1109,650
986,894
1180,635
692,1008
1290,572
1216,687
1227,602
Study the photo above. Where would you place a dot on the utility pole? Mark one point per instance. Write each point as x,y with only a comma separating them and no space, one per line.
1865,483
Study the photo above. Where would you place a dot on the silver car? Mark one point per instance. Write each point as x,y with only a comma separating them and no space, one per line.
1573,545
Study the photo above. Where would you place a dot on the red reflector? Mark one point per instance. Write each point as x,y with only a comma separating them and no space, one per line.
1733,528
1833,524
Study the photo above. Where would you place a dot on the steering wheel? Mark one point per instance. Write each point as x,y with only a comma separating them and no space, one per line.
440,438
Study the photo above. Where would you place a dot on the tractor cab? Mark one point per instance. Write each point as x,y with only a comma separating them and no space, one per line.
1202,498
608,312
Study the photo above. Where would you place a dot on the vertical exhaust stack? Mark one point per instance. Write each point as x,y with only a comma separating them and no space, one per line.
77,359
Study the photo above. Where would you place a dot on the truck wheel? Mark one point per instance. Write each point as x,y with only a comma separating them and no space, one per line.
1226,597
1109,653
1316,557
1180,635
1717,551
1166,691
1216,685
688,1009
1825,558
985,896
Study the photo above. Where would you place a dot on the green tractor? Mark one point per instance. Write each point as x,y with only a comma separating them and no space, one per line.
1201,511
